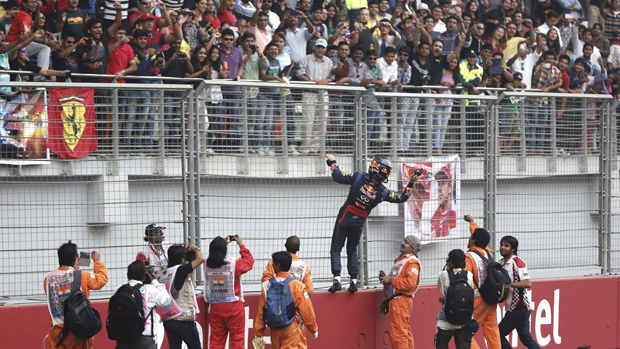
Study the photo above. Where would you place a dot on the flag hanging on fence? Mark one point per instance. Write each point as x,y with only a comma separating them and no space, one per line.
71,127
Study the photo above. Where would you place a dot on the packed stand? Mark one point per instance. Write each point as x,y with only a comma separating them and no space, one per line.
442,47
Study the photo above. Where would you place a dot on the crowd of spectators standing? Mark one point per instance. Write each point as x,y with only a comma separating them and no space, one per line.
388,45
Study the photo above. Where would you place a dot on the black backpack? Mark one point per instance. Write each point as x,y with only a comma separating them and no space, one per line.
126,314
496,287
459,299
80,318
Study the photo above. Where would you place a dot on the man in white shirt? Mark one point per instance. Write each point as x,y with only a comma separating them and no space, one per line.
550,21
524,62
518,307
154,295
389,68
297,38
274,19
586,35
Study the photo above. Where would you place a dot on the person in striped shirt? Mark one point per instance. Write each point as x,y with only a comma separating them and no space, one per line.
612,19
518,306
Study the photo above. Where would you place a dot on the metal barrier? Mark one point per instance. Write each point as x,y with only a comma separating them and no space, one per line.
247,158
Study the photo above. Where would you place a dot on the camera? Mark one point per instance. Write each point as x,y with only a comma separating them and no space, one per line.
232,238
88,42
253,48
418,172
209,65
342,60
403,60
383,24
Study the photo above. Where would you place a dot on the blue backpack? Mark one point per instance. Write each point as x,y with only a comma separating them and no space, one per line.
279,310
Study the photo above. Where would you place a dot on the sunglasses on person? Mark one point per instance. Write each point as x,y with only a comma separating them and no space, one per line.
228,39
23,50
145,3
371,58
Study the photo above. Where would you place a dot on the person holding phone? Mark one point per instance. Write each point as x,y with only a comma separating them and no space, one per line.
57,283
223,292
180,316
548,78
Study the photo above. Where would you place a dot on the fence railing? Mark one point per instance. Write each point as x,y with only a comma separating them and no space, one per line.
247,158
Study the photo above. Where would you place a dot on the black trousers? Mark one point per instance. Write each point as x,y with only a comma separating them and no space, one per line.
442,338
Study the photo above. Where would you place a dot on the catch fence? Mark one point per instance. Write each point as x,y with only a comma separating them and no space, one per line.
221,157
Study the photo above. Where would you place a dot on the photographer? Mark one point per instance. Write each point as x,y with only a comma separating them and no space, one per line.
67,58
59,281
223,292
180,317
154,295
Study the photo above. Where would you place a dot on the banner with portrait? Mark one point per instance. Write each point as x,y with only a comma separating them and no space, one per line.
23,128
433,209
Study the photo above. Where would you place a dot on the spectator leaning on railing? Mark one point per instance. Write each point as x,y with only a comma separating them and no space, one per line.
40,46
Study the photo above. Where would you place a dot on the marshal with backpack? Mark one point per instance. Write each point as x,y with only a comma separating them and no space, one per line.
79,316
496,286
279,310
126,314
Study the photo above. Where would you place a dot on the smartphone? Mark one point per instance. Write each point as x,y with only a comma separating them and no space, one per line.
418,172
569,16
547,65
84,259
495,62
352,25
224,65
451,12
381,273
253,48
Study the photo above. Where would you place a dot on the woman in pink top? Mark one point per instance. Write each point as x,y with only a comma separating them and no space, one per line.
443,108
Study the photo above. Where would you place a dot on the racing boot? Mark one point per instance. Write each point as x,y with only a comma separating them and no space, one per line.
336,286
353,286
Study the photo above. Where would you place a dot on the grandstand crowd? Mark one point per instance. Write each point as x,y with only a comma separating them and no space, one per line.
562,46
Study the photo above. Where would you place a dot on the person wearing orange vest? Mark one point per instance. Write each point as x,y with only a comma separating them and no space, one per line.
57,285
287,337
299,270
484,313
400,286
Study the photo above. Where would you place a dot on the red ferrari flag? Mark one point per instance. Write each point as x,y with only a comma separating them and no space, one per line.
71,128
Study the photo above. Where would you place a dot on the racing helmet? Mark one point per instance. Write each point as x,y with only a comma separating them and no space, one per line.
380,169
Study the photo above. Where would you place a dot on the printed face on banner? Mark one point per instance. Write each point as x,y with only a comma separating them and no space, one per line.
23,126
433,206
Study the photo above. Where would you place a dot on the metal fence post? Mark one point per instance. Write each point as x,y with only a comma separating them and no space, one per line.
359,153
394,116
429,125
115,125
323,119
463,133
283,125
490,170
605,160
245,122
584,127
522,126
188,155
554,125
162,125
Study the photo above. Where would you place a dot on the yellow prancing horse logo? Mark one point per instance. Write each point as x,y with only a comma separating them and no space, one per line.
74,120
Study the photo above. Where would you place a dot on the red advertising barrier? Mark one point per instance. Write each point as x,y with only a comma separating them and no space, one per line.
567,314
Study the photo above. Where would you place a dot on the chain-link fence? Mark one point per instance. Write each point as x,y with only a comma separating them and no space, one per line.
247,158
132,176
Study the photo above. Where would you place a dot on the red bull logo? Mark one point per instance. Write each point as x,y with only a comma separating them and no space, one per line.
369,191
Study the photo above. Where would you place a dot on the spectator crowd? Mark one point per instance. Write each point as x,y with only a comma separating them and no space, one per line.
387,45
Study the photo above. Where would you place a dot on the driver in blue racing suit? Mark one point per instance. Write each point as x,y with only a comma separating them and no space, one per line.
367,191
